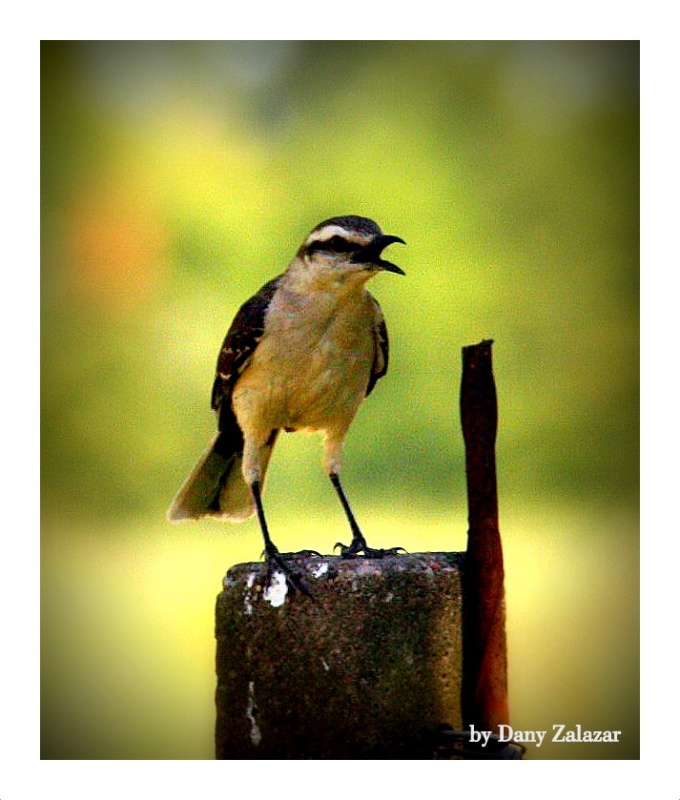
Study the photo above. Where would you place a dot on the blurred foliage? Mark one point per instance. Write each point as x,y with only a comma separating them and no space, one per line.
177,177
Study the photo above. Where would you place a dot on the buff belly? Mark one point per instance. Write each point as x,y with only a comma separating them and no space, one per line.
297,388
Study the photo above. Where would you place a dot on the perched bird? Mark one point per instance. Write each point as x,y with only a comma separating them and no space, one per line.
300,355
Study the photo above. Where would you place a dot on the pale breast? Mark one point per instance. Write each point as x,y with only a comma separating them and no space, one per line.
311,368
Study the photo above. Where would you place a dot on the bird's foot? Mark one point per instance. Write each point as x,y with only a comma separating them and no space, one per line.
301,554
275,559
358,546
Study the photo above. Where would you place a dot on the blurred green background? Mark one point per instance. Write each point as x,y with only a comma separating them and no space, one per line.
177,177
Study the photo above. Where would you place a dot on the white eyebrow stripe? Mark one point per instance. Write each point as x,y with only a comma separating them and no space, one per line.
325,233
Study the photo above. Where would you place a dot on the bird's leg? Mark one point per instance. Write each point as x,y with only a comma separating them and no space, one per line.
272,554
358,543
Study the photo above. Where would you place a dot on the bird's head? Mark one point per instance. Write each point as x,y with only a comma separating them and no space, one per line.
344,246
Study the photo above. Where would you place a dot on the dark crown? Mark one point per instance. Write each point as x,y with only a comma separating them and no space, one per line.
352,224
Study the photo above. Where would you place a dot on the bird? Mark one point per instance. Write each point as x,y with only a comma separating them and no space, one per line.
300,355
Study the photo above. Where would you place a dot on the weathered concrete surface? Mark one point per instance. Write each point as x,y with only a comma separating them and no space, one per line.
369,668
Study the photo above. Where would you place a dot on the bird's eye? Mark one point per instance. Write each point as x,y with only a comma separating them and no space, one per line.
338,244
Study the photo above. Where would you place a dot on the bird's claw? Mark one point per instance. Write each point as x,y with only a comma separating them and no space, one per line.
294,580
298,554
357,548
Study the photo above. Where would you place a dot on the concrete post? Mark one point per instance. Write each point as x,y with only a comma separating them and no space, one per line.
369,668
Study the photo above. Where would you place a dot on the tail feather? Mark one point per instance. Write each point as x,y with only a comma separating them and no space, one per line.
216,487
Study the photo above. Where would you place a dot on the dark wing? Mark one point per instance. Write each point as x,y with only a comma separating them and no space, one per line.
239,345
381,357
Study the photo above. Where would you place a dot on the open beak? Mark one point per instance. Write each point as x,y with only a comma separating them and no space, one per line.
371,254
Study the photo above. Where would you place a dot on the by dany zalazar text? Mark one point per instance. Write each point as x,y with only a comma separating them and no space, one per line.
559,733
